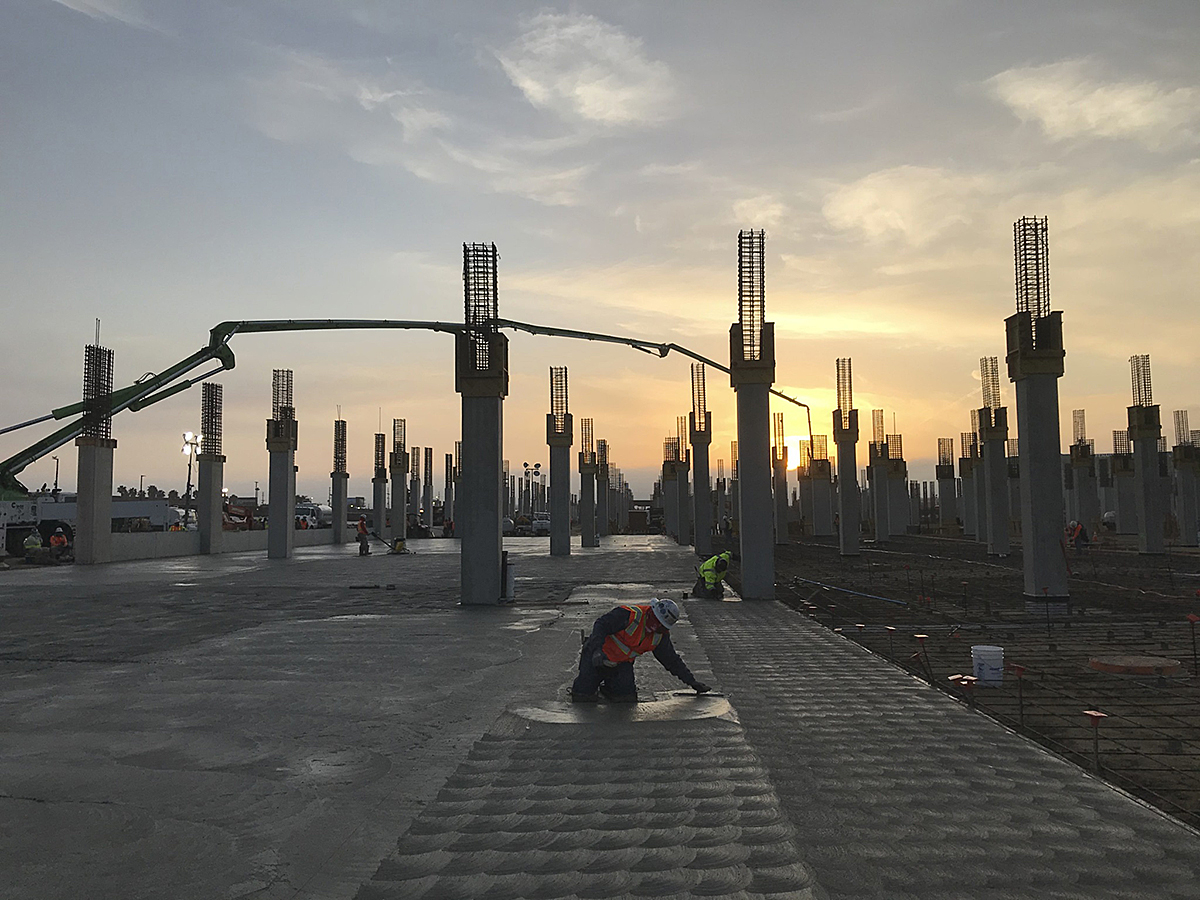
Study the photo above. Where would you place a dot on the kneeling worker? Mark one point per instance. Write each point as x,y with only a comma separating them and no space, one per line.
712,573
618,638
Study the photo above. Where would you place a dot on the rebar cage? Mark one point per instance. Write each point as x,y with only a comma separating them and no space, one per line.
1183,435
1031,248
380,454
946,451
1121,442
1139,376
699,400
558,398
481,301
399,435
845,391
587,447
282,403
211,415
1078,426
751,292
97,386
339,445
989,376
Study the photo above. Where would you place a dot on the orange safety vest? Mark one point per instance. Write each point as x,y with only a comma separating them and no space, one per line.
362,529
58,540
634,640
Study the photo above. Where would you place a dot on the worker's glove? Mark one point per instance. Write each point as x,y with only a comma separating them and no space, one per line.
700,687
598,658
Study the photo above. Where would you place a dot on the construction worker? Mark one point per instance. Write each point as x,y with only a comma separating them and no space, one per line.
58,543
364,537
33,541
618,638
1077,537
712,573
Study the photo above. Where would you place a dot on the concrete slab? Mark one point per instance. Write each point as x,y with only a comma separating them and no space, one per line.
236,727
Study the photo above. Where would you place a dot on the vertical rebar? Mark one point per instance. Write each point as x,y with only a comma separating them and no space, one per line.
845,391
558,398
587,448
282,402
989,376
945,451
877,427
751,292
339,445
481,300
380,456
699,401
211,418
1031,245
1139,375
97,388
399,435
895,446
1078,426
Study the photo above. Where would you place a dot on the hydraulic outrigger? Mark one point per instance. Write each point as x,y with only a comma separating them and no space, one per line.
152,388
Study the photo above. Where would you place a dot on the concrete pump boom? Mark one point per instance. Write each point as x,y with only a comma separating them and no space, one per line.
152,388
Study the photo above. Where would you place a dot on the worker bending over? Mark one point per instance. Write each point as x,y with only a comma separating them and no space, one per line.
712,572
618,638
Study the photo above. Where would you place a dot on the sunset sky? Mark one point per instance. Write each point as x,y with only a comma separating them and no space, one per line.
169,164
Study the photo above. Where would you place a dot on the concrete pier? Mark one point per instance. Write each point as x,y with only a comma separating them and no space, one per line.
845,438
683,508
993,439
752,380
702,498
1145,429
210,518
779,462
603,528
587,503
398,471
947,497
481,505
899,511
1085,494
819,483
1035,370
966,473
1187,508
379,505
93,510
281,481
341,485
878,483
560,442
670,486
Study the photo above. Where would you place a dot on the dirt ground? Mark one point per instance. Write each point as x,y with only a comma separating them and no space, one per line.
950,592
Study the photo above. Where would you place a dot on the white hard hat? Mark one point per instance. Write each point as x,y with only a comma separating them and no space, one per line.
665,610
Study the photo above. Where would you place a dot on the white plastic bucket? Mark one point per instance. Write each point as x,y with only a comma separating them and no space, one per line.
987,663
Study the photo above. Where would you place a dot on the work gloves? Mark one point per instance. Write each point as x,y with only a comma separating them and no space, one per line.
700,687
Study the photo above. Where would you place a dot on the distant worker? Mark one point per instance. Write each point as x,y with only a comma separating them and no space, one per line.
712,572
618,638
58,543
33,541
364,537
1077,537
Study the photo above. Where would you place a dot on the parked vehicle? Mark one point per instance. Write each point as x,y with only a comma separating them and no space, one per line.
541,525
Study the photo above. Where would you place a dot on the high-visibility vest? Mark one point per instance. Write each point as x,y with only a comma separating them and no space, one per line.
709,572
362,529
634,639
58,540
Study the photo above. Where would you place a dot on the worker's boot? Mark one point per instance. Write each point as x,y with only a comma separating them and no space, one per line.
618,698
584,698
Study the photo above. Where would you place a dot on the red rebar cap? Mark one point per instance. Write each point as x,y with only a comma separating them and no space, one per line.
920,637
1192,617
1016,669
1095,715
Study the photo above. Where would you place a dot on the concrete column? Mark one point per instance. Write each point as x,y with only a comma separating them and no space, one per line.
398,470
752,380
560,484
1035,371
702,498
947,497
281,480
719,511
735,505
979,485
966,472
683,513
820,484
379,506
779,463
341,490
1125,491
993,436
1145,428
93,502
587,504
670,486
898,499
602,497
1087,494
210,516
845,438
480,505
1187,465
877,482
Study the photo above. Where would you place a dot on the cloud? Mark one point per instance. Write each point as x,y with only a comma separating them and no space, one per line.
586,70
380,117
1068,101
119,10
763,211
912,204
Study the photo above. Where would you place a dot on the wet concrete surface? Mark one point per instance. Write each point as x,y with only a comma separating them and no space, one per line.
233,727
